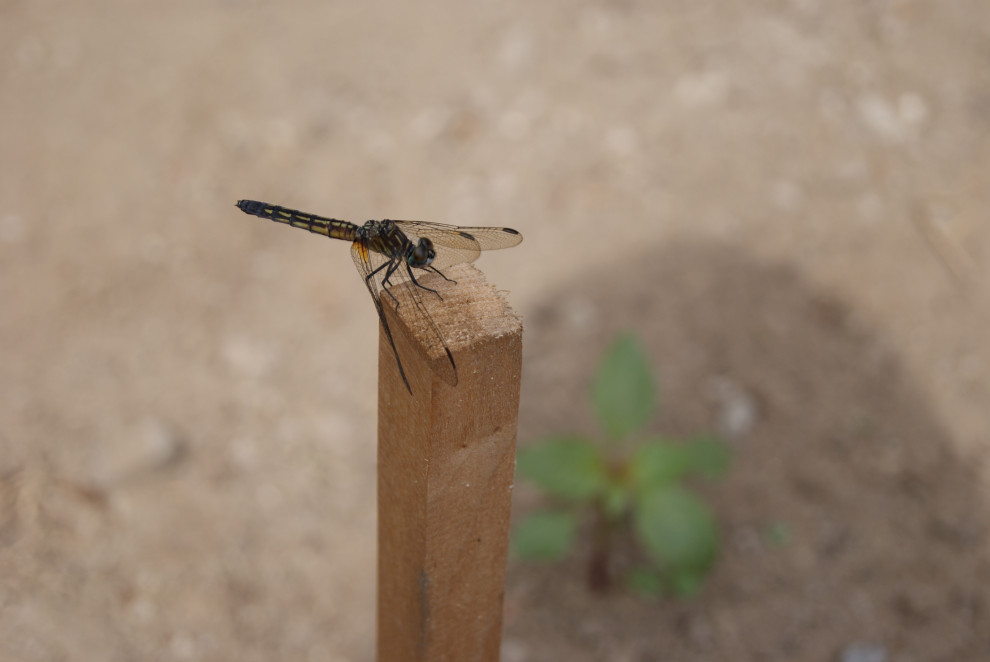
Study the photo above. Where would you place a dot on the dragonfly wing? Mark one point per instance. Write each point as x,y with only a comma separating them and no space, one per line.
493,238
456,245
486,238
412,307
373,268
383,274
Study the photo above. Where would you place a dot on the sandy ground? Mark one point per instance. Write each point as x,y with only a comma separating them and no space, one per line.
786,200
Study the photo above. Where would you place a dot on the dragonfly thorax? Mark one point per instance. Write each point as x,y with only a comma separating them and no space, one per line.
422,254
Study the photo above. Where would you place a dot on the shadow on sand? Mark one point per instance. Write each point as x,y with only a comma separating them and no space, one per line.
888,533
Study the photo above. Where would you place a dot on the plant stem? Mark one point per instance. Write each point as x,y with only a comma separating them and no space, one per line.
599,572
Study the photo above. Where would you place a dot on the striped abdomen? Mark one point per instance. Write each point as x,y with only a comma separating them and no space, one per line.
328,227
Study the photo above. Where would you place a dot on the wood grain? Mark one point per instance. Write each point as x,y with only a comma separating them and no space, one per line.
446,457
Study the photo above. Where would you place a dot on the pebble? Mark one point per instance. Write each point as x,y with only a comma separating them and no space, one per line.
864,652
737,409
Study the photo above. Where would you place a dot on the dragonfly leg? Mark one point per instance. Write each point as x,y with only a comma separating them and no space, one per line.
423,287
392,267
440,273
367,279
388,274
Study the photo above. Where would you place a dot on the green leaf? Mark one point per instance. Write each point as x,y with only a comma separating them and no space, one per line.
545,536
677,529
651,583
686,583
657,464
567,467
615,501
647,582
623,392
708,456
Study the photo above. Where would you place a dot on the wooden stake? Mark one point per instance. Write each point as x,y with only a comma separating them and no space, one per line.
446,457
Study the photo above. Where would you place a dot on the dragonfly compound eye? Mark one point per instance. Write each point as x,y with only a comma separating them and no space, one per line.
423,253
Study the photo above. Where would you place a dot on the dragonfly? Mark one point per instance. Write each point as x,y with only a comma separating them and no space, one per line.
389,254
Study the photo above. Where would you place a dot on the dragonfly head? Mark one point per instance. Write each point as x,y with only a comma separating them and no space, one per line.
422,254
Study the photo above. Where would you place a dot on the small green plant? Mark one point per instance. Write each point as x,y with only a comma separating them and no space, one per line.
632,483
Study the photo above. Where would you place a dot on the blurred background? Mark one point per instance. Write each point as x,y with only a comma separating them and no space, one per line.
785,200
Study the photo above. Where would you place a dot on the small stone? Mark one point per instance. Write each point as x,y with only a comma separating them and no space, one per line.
737,409
864,652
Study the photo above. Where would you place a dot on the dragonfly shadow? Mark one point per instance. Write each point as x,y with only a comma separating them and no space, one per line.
888,528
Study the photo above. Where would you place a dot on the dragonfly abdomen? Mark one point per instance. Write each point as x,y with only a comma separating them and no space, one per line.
328,227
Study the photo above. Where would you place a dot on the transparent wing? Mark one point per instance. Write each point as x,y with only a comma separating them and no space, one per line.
454,244
389,275
370,265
